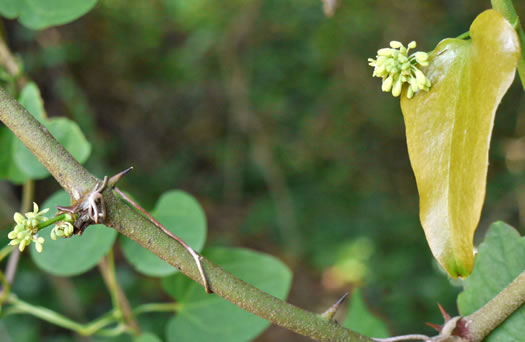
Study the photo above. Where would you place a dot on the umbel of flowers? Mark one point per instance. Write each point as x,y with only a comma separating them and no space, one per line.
27,227
396,67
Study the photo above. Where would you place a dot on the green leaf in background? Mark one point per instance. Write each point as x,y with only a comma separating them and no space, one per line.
6,159
67,133
183,216
147,337
74,255
39,14
361,320
64,130
31,99
8,168
501,258
203,317
448,134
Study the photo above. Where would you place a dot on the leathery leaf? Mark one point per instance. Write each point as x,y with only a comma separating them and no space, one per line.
448,134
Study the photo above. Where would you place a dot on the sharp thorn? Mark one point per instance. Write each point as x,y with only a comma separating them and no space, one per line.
434,326
116,178
446,316
330,313
342,299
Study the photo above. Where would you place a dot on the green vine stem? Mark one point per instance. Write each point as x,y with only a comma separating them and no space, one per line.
51,221
492,314
19,307
120,302
506,8
99,326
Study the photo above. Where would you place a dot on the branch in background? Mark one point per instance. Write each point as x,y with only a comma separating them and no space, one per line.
7,60
120,301
245,121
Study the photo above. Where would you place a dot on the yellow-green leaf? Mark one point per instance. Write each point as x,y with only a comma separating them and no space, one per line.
448,134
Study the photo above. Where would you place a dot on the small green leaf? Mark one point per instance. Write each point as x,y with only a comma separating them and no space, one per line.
67,133
183,216
147,337
74,255
8,168
17,163
71,137
361,320
448,134
207,317
500,259
31,99
39,14
9,8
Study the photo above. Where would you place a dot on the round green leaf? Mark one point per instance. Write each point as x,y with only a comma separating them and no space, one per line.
8,168
448,133
25,164
74,255
500,259
31,99
67,133
39,14
207,317
9,8
183,216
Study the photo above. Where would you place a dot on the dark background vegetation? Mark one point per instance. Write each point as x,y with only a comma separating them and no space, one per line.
266,112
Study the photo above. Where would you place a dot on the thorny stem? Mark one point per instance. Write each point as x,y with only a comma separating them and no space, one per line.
79,182
492,314
195,256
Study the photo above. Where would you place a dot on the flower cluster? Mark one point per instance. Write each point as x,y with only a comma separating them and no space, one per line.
63,229
26,229
396,67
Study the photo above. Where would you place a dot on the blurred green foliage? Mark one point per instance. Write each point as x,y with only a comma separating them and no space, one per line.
266,111
499,261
